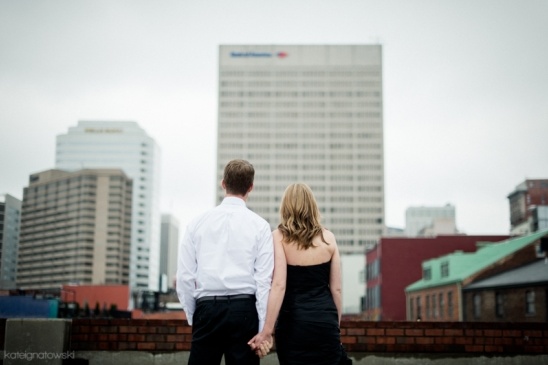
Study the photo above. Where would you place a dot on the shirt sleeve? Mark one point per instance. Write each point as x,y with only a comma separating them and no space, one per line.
186,275
264,267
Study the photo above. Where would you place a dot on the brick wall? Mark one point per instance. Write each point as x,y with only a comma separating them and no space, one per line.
474,338
378,337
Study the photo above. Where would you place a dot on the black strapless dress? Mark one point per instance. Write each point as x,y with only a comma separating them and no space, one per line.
307,331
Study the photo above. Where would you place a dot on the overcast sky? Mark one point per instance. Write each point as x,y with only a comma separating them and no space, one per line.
465,87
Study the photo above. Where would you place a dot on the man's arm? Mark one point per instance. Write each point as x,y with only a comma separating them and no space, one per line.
264,266
186,275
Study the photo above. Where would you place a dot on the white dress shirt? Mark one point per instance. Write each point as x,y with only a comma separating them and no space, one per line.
226,251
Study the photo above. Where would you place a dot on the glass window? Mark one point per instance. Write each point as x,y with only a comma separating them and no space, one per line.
444,269
477,305
441,304
499,305
426,273
530,302
449,304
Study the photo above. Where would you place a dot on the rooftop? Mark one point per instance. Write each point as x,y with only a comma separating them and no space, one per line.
458,266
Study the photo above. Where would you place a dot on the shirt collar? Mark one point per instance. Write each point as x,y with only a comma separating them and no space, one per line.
230,200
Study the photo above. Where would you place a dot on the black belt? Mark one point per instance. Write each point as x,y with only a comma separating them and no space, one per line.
225,297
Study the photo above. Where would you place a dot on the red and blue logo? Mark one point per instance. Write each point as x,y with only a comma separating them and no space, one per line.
258,54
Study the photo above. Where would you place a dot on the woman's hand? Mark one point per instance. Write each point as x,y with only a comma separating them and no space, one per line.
262,344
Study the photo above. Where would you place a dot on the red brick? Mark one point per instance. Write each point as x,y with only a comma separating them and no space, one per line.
128,329
146,346
174,338
433,332
349,339
386,340
473,348
411,332
424,340
453,332
136,338
183,346
405,340
144,329
492,333
532,333
375,332
394,332
127,346
355,331
511,333
155,338
185,329
165,346
491,348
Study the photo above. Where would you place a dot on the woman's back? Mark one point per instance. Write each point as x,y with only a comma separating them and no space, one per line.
307,331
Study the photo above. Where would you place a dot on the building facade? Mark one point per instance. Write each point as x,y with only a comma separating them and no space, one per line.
525,203
308,113
517,295
439,295
430,221
385,299
126,146
75,229
10,221
169,243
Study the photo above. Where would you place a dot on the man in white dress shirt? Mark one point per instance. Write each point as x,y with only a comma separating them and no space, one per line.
224,274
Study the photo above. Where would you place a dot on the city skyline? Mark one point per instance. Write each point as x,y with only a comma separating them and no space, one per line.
464,90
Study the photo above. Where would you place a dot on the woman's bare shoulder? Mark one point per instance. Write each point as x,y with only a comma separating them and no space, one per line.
277,234
329,236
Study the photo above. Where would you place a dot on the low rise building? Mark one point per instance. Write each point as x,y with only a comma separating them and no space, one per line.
517,295
395,262
438,296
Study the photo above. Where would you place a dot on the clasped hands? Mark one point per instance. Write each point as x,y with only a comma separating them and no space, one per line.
262,344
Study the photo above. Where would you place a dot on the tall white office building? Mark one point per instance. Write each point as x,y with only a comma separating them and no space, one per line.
124,145
308,113
430,221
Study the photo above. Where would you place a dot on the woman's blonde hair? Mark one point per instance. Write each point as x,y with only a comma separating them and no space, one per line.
300,216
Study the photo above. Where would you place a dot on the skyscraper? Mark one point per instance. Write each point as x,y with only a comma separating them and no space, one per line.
75,228
430,221
311,114
124,145
10,221
169,242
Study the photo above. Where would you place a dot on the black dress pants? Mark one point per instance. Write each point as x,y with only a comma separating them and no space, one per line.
223,327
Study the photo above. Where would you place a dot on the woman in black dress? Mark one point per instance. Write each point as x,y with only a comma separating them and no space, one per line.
304,305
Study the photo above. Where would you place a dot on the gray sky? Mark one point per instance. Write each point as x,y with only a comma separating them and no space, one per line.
465,88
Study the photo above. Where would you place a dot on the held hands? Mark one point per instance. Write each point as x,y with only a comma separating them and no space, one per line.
262,344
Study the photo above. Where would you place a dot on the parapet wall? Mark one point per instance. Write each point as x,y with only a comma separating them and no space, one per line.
361,339
377,337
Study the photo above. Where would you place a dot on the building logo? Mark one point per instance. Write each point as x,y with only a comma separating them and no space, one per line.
258,54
